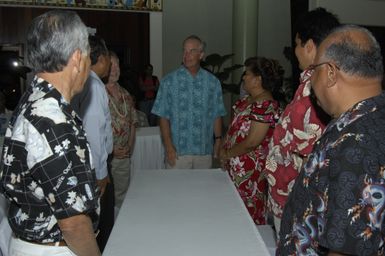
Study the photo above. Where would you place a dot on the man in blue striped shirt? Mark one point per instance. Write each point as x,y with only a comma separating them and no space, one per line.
190,105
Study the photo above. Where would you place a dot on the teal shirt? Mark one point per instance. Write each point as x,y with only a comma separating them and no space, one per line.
191,104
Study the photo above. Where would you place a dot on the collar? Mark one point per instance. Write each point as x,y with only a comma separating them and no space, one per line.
360,109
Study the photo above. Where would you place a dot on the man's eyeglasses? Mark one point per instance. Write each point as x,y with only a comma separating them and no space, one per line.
314,66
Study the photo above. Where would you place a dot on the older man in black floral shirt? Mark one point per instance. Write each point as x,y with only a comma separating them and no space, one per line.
337,205
47,171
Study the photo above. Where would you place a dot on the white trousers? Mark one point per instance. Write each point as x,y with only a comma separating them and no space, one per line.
192,162
19,247
121,173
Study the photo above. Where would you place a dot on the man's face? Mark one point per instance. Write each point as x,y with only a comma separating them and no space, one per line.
192,54
320,82
105,63
302,53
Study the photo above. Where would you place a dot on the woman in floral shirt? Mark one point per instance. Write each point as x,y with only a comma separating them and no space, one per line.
245,147
124,120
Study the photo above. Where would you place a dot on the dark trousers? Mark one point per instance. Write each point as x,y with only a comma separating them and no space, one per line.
107,216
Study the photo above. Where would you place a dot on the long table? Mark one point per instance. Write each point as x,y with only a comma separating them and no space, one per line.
184,213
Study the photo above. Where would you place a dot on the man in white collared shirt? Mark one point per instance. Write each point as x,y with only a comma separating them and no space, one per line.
92,106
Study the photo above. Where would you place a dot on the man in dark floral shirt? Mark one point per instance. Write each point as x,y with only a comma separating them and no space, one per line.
47,172
337,204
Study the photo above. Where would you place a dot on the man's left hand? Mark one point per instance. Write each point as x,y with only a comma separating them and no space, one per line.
217,147
102,184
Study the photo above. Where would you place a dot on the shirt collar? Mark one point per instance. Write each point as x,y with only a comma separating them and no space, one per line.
360,109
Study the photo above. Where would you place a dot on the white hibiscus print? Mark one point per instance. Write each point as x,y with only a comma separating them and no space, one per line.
71,198
59,150
49,108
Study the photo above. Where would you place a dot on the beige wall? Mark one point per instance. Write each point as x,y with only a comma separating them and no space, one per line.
361,12
274,30
209,19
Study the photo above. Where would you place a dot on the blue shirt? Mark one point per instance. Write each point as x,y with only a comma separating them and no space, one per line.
191,104
92,106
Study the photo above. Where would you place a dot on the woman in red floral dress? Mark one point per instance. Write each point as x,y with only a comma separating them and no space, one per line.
246,144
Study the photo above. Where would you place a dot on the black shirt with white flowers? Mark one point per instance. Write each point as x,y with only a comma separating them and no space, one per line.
47,166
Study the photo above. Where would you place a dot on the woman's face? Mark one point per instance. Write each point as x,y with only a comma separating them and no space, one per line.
250,80
114,70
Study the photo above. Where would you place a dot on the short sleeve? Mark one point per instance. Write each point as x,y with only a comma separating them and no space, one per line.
161,105
265,112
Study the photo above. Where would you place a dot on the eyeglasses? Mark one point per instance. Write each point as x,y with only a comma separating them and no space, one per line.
314,66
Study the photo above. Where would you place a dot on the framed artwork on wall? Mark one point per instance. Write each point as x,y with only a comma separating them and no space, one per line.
113,5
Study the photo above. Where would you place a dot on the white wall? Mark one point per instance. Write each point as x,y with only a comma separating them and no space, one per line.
274,30
156,42
209,19
360,12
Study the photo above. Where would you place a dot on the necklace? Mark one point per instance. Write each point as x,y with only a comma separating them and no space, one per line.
125,111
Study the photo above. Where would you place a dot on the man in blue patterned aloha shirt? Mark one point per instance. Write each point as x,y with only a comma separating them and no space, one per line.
190,105
47,171
337,205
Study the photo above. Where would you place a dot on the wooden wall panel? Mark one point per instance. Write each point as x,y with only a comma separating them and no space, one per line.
125,32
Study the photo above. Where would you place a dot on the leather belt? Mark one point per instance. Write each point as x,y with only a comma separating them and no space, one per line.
61,243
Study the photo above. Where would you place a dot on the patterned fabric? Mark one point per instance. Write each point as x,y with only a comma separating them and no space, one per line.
46,171
245,169
294,136
142,119
338,200
123,116
191,104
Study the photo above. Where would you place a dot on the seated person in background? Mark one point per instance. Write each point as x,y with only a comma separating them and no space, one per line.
123,120
149,84
337,203
47,172
245,146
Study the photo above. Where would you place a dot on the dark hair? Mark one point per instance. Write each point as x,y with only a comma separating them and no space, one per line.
270,71
98,48
355,56
52,38
315,25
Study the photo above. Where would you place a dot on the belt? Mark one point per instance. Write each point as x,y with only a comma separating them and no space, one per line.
60,243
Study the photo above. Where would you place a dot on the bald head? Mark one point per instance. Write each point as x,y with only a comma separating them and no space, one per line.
355,51
348,69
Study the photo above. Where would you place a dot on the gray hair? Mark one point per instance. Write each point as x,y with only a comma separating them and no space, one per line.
202,44
52,38
360,57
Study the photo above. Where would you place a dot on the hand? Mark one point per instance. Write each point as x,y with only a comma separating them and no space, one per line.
171,156
102,184
217,147
121,152
222,154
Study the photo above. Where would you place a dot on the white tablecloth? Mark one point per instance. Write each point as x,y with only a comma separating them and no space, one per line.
184,213
148,150
5,229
